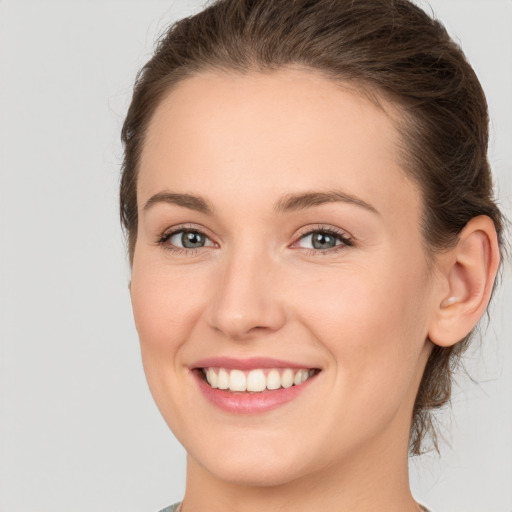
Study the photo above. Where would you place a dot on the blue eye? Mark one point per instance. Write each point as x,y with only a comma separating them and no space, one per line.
323,240
186,239
318,240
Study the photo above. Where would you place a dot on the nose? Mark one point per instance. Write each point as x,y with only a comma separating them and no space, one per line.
246,302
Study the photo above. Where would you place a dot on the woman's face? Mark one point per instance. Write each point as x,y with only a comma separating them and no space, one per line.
277,232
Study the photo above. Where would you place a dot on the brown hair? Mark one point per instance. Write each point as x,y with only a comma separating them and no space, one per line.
392,49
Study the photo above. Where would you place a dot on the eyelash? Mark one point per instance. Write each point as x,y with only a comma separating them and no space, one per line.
166,235
346,241
343,237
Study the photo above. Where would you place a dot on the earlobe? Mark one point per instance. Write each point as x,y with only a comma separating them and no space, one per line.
468,273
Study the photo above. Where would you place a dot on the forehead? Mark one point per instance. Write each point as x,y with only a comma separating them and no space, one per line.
266,132
297,102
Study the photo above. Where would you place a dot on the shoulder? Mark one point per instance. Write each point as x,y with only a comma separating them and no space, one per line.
171,508
174,508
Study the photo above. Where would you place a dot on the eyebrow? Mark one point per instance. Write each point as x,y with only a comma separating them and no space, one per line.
186,200
290,202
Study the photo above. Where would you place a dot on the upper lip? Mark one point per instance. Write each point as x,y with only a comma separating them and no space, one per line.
247,364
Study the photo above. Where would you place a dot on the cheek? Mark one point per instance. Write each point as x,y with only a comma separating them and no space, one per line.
373,321
166,307
366,301
165,303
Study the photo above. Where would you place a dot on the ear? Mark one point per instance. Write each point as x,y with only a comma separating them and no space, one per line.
467,274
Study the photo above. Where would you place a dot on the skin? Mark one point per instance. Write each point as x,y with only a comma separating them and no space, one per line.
361,312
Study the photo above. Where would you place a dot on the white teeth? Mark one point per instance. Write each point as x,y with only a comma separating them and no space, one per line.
211,376
287,378
256,380
237,381
273,379
222,379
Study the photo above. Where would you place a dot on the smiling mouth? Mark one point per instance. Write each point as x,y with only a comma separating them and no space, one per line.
258,380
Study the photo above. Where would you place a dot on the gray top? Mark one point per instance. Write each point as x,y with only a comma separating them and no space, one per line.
173,508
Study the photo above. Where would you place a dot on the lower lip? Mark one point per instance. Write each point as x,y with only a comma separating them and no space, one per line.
249,403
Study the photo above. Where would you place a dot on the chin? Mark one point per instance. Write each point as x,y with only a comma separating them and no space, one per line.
252,466
254,473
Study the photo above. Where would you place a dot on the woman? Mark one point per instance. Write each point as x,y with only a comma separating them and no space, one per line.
313,238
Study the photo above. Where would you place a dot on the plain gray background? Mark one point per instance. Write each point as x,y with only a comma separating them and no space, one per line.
78,429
